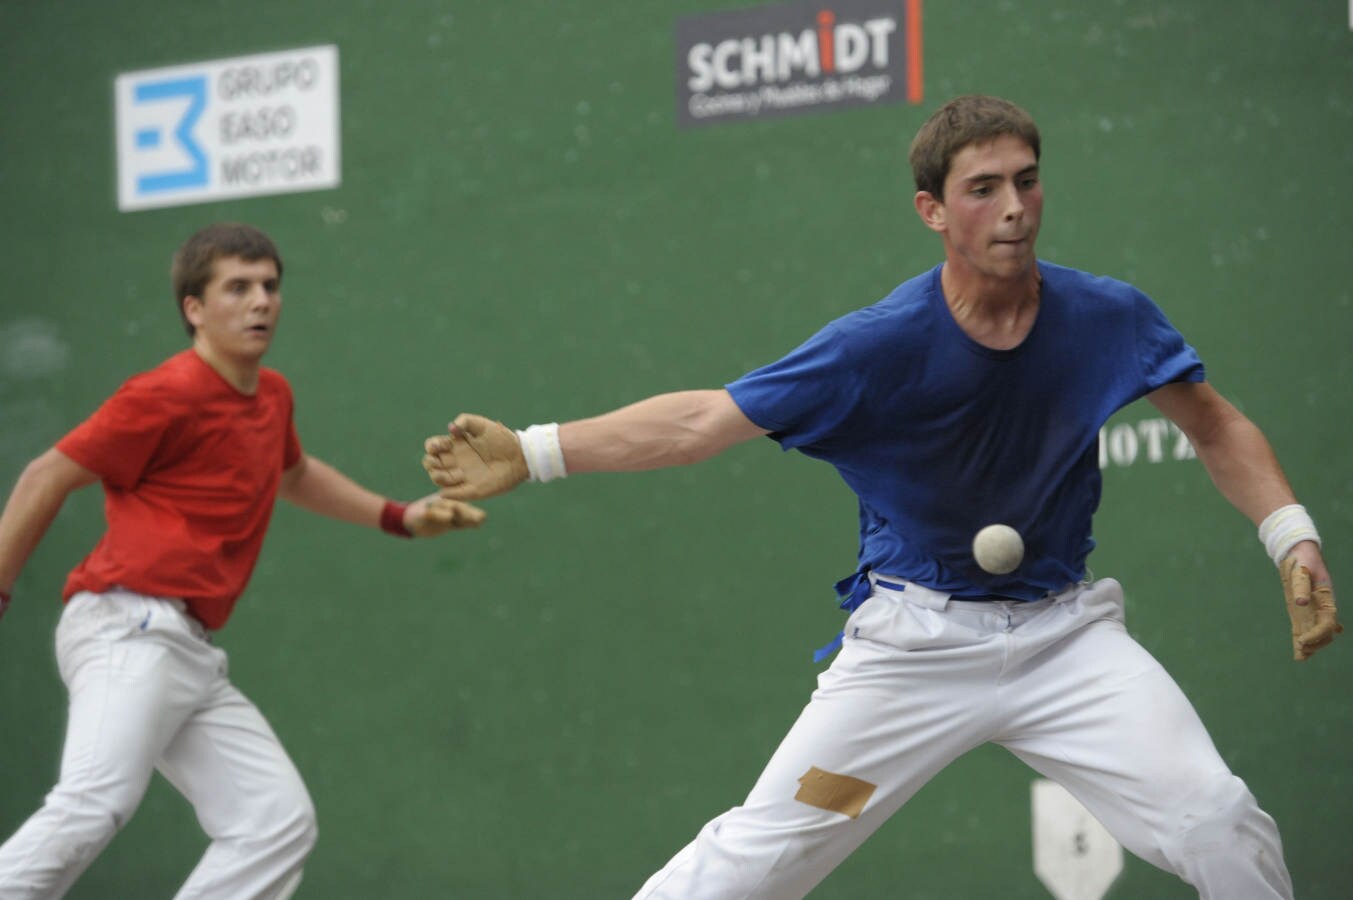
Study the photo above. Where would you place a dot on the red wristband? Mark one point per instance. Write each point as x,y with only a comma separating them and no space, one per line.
4,602
392,519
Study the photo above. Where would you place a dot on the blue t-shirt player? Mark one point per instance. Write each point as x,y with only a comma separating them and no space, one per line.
972,394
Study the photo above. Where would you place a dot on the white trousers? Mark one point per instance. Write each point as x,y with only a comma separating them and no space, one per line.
149,691
921,680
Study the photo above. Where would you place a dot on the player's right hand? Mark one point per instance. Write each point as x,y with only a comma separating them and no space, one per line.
478,458
1310,606
434,515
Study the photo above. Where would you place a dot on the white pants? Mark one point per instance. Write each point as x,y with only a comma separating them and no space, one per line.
149,691
921,680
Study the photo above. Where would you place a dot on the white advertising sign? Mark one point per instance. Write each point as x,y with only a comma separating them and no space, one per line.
1074,856
264,124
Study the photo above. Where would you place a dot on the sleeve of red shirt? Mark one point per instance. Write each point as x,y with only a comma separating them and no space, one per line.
118,440
291,452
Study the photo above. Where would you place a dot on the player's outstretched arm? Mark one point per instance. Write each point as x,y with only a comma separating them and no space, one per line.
36,499
315,485
1242,464
481,457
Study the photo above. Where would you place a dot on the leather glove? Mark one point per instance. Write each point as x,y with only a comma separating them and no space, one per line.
1314,616
436,515
479,458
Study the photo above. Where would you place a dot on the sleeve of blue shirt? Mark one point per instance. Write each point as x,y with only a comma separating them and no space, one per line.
1162,353
803,397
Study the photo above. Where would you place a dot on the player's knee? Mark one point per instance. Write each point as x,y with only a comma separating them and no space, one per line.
295,826
308,831
302,837
279,821
1213,820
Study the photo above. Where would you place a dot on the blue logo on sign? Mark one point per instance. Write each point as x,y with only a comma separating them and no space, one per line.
195,89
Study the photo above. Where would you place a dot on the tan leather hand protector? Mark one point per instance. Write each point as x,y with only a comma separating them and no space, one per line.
480,458
441,515
1315,619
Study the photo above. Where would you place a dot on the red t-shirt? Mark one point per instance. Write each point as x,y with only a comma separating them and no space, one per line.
190,470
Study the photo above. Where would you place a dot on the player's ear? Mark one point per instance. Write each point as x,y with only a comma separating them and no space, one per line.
192,310
930,209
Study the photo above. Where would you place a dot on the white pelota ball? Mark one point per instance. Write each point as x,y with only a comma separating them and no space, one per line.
998,549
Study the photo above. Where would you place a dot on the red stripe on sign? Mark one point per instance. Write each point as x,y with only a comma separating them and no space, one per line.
826,45
914,92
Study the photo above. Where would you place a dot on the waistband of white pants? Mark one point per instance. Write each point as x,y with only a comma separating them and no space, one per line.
177,603
929,597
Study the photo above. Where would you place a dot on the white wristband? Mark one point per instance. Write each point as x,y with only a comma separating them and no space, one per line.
540,446
1284,528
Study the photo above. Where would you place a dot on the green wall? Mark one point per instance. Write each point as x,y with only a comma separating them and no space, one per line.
552,706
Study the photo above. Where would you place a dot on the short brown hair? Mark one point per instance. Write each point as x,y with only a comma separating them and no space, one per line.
195,261
971,119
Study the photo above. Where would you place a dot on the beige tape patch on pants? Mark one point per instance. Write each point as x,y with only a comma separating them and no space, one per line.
834,793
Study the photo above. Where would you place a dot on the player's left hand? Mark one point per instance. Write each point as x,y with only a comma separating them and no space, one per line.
434,515
1310,600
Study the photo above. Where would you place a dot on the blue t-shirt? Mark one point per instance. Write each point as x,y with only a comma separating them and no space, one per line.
938,435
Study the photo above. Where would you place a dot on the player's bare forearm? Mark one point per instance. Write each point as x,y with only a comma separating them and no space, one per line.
666,430
1243,466
1236,454
481,457
314,485
37,497
1245,469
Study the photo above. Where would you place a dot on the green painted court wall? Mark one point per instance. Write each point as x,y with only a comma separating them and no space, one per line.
552,706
